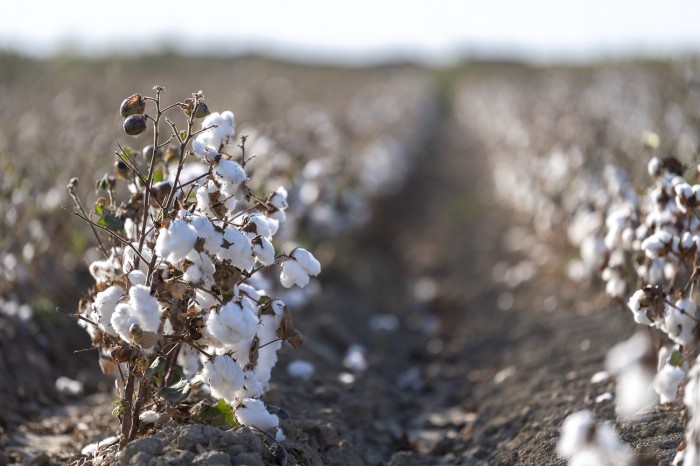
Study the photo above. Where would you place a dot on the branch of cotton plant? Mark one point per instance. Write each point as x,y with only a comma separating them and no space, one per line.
166,142
105,229
71,191
682,311
77,316
151,168
127,406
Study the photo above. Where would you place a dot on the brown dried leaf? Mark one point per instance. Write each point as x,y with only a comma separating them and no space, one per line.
287,331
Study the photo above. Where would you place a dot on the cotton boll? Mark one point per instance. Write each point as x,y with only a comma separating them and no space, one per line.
232,323
307,261
679,321
278,199
575,433
193,274
261,225
204,152
264,251
129,258
122,320
252,413
221,129
176,241
224,376
237,248
108,270
634,391
252,388
105,304
267,358
639,311
654,167
230,172
188,359
293,274
667,381
145,308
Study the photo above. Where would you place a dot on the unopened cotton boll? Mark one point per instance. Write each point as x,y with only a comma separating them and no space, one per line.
252,413
224,376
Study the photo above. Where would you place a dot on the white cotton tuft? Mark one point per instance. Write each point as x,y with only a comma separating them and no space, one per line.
307,261
679,322
230,172
137,277
142,309
237,248
355,358
301,369
667,381
278,199
293,274
233,323
222,134
149,417
104,305
252,413
264,251
585,442
176,241
224,376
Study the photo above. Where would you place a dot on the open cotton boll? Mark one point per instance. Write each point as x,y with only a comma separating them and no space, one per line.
230,172
176,241
307,261
252,413
267,358
145,307
129,258
105,304
252,388
223,131
264,251
293,274
638,309
667,381
137,277
232,323
224,376
679,321
278,199
237,248
142,309
108,270
204,151
575,433
260,225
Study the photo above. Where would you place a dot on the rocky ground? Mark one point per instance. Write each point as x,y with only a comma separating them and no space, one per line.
463,370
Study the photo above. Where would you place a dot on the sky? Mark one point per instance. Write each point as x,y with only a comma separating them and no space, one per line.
359,31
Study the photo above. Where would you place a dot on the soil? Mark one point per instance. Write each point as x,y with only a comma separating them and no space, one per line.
463,379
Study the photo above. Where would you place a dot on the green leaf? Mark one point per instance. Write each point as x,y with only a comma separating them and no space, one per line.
220,415
98,209
158,176
676,359
264,299
118,408
111,221
279,412
178,392
183,134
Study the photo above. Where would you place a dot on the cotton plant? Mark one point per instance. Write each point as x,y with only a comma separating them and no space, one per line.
182,296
